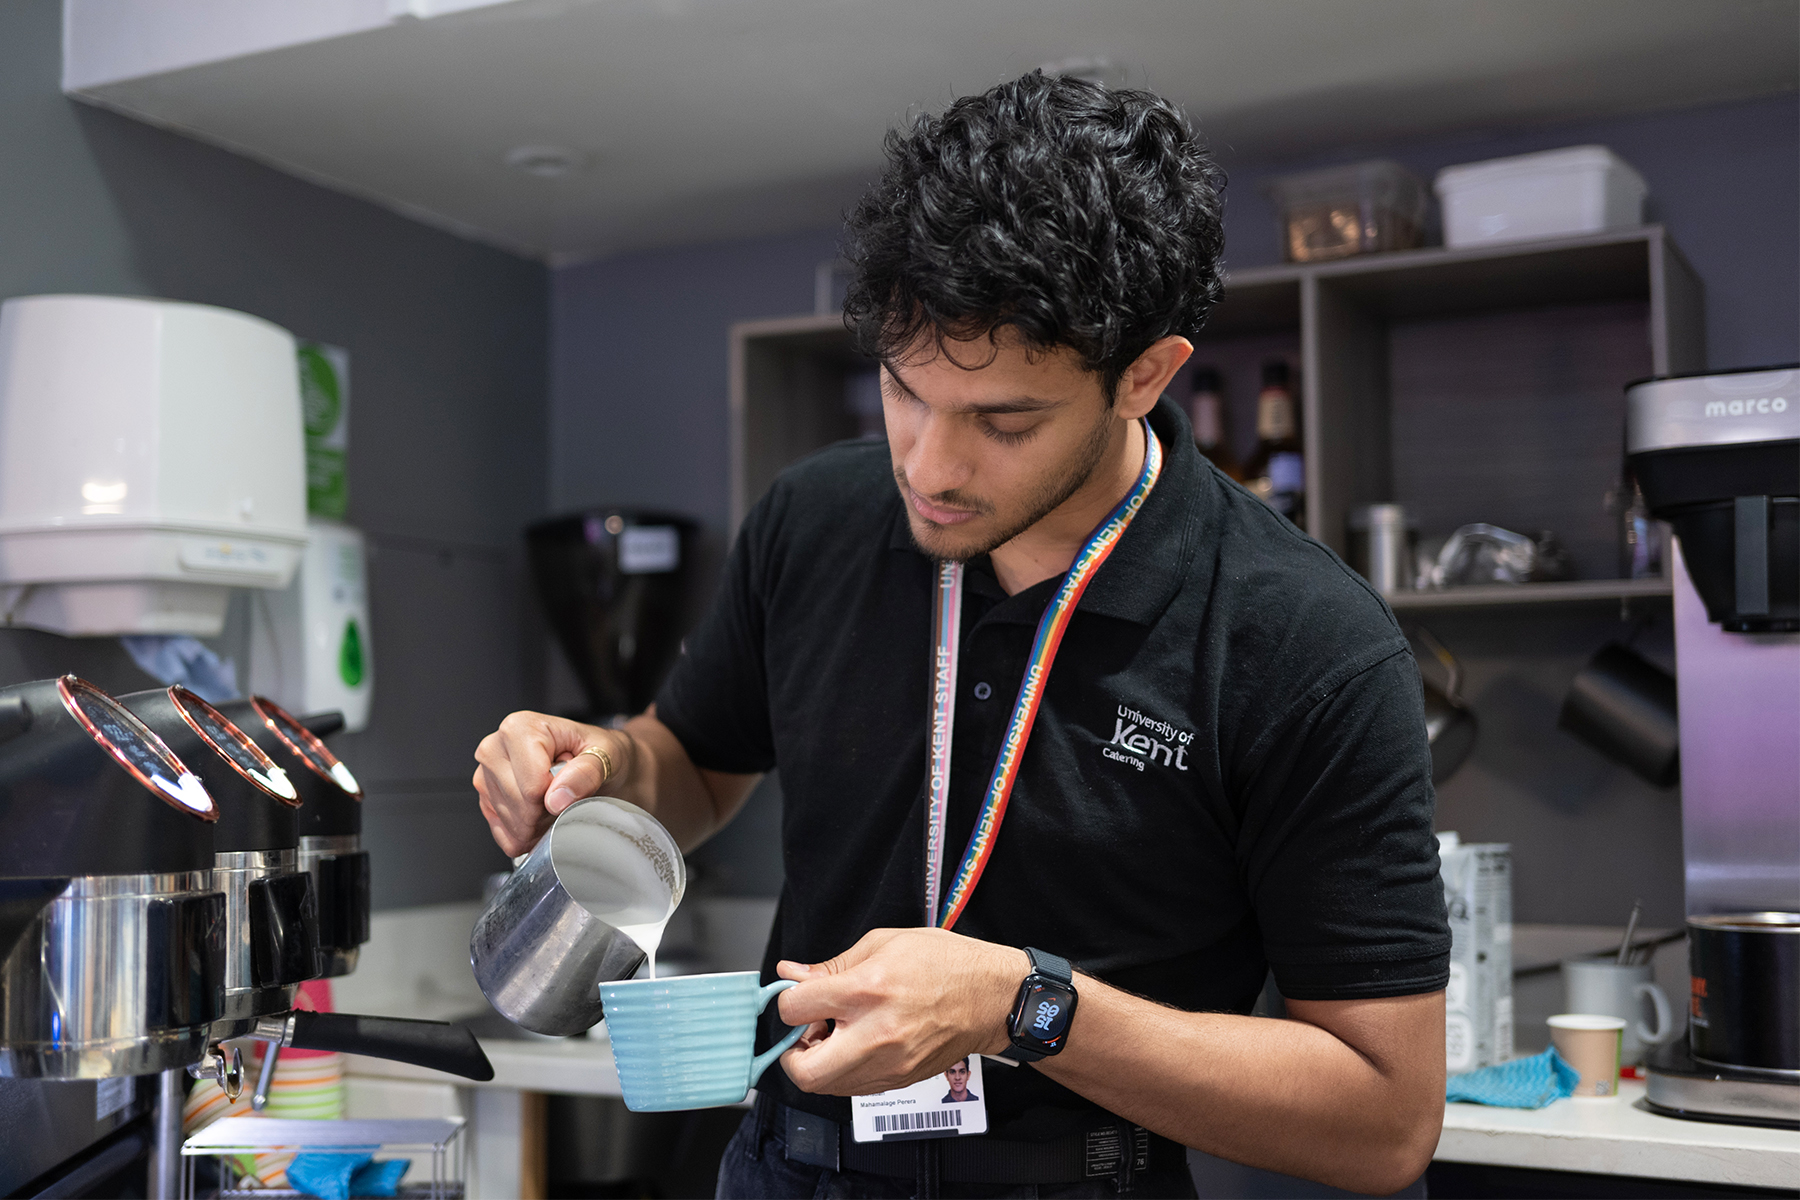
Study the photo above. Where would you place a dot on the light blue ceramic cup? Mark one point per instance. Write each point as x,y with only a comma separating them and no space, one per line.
686,1042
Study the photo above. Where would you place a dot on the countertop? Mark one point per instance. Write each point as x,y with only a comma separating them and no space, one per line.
1619,1137
1607,1137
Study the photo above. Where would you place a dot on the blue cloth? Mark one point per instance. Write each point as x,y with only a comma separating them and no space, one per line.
184,660
340,1176
1522,1083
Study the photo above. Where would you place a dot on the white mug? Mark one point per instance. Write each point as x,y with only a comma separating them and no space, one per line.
1601,986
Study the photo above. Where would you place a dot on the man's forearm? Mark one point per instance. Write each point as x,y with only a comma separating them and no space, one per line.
1285,1095
655,773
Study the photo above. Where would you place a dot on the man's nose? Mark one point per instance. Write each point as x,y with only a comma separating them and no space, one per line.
937,462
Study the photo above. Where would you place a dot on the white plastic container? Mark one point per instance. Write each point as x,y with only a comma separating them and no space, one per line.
309,642
150,461
1557,193
1478,1004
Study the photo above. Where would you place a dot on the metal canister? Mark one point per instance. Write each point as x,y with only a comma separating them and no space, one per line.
1745,1005
538,951
1381,546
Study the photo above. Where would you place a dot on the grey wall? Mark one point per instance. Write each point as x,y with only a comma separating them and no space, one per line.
638,411
448,426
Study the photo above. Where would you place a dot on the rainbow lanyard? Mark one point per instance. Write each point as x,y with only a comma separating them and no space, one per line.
946,624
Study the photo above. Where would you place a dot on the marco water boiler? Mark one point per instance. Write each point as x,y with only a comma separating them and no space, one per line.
1718,457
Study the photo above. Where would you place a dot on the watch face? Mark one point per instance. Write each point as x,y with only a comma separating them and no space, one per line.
1043,1014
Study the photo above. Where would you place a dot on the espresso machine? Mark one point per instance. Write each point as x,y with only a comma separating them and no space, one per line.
112,936
1718,457
328,825
271,919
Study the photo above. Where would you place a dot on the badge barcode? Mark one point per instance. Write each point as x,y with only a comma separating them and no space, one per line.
907,1122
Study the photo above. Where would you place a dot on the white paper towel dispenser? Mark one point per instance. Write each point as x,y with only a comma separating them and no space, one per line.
150,461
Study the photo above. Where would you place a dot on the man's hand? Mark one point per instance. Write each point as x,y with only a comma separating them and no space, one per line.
905,1004
519,797
650,768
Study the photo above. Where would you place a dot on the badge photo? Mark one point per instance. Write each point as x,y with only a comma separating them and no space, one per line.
945,1105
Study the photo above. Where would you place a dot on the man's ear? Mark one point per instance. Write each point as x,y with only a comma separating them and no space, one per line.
1145,379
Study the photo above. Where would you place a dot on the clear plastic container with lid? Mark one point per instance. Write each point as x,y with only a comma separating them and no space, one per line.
1355,209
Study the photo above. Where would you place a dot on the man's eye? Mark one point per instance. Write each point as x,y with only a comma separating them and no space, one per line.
1008,430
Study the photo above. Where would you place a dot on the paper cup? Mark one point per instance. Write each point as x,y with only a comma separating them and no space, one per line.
1591,1045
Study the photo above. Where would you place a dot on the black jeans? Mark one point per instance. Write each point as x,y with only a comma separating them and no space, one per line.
756,1167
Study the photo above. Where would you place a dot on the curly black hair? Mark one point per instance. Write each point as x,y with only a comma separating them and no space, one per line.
1075,215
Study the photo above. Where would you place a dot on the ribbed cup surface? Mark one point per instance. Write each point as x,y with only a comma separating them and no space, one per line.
684,1042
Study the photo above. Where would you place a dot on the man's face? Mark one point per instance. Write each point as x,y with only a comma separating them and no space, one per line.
958,1075
982,455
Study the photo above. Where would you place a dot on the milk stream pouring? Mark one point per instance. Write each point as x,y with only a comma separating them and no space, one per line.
587,906
615,877
620,875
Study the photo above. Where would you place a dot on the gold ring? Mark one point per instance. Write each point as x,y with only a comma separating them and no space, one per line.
606,762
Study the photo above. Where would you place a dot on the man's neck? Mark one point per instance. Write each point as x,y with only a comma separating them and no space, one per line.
1049,547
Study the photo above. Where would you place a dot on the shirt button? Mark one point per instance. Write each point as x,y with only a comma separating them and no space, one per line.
983,691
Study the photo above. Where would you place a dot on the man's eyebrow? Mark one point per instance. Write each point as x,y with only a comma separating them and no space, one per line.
1018,404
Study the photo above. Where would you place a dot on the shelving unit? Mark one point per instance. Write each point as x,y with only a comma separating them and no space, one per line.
1573,591
1475,384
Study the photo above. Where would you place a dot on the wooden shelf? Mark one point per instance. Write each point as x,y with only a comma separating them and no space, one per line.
1574,591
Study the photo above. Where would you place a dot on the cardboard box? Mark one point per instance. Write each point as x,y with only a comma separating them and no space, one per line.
1478,1023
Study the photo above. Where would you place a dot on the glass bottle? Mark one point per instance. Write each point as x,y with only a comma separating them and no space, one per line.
1206,408
1276,471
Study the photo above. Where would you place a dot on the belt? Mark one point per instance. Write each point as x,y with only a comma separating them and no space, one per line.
1102,1151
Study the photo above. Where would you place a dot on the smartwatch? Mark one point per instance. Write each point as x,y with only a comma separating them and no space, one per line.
1041,1015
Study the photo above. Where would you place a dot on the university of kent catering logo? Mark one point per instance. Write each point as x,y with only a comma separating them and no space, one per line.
1137,738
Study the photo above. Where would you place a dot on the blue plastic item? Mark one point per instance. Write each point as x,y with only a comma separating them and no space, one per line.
1522,1083
341,1176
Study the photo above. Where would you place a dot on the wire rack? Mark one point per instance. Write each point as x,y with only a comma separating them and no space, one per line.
438,1139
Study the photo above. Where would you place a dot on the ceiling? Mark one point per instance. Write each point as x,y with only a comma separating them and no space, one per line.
700,119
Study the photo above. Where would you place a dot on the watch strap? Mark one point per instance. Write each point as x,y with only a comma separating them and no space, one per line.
1055,967
1045,963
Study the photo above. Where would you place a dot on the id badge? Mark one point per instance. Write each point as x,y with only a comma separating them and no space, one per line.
946,1105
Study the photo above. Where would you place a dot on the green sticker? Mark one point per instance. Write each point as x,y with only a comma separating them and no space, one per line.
350,656
321,398
327,483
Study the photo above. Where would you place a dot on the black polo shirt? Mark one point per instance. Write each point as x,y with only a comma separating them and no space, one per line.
1228,772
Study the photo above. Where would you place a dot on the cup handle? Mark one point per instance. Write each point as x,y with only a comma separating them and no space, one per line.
1665,1020
761,1062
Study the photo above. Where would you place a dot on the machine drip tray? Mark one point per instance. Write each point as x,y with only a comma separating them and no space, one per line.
1680,1087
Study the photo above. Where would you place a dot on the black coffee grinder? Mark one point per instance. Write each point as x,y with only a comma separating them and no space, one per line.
614,583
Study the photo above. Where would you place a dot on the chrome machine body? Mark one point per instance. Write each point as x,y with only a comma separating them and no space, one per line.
112,938
329,825
1718,457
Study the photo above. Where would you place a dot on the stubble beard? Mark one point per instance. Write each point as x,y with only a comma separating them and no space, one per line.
1052,490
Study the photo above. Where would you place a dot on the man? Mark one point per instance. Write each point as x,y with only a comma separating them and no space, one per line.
1146,726
958,1079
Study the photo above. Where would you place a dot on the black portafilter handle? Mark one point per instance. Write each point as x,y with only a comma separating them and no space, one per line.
434,1044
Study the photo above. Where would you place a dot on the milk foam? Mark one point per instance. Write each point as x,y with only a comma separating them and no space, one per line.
620,874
